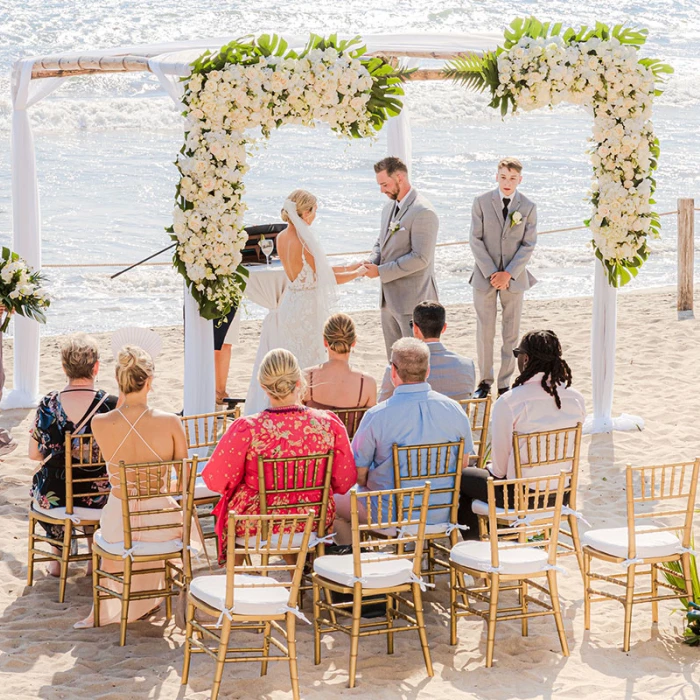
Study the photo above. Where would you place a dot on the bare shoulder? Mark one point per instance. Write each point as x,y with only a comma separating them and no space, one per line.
369,380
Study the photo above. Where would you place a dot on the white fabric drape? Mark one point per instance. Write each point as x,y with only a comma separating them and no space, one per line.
398,137
26,223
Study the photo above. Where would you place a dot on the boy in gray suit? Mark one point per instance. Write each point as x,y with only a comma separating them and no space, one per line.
502,239
403,256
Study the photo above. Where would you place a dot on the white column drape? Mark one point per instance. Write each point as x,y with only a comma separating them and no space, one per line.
26,225
199,380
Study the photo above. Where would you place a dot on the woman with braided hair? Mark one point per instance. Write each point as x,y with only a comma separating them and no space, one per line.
541,399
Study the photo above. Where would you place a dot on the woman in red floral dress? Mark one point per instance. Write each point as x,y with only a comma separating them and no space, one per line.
286,429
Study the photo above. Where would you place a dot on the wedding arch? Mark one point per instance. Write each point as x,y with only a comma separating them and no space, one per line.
538,65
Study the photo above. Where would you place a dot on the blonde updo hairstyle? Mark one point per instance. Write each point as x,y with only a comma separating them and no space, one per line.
339,332
134,368
279,373
304,200
79,355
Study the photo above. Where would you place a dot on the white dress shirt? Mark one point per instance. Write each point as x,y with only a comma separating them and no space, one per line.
529,409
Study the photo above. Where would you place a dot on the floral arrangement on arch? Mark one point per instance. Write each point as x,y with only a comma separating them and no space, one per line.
260,83
540,65
21,289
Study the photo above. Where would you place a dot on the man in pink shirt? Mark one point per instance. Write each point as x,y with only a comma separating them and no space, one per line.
541,399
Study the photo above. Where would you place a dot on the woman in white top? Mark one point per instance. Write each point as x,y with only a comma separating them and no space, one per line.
541,399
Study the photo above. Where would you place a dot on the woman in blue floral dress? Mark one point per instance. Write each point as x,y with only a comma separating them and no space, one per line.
61,412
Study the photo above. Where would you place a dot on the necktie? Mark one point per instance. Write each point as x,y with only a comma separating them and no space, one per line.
506,202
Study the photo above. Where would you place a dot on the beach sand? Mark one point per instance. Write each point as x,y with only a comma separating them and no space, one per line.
657,377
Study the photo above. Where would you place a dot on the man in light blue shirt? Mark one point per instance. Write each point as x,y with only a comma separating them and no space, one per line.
414,415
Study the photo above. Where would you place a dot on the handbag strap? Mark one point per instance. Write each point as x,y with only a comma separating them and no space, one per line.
87,417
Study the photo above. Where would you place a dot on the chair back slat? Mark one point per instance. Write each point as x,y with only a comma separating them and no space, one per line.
351,417
139,484
663,492
531,507
206,429
307,478
549,452
479,413
439,463
86,471
403,511
267,537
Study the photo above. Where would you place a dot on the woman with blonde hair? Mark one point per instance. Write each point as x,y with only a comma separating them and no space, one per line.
310,294
135,433
335,384
70,410
286,429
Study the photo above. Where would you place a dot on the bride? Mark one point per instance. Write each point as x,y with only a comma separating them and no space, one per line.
309,297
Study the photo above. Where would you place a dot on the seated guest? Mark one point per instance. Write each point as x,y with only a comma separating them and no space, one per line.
68,411
414,415
541,399
135,434
450,374
335,384
286,429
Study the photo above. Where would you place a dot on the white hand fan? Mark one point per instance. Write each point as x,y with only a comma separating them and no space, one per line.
144,338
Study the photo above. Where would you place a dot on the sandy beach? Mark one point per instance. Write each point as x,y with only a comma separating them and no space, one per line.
657,377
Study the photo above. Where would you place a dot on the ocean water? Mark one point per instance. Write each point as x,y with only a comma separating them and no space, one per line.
105,147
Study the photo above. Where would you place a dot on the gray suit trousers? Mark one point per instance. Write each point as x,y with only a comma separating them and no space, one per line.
485,306
395,326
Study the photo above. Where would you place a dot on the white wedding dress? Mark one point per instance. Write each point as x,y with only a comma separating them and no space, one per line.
297,323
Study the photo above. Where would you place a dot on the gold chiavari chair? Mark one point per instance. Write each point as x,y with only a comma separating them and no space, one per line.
203,432
304,480
548,452
479,413
441,464
368,571
86,477
139,486
351,417
249,598
656,494
508,564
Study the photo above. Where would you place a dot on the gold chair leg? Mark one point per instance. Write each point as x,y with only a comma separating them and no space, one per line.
65,554
126,592
523,606
221,658
483,529
30,553
418,602
317,623
453,606
576,541
95,592
355,633
685,564
554,595
493,612
190,613
292,649
654,594
390,603
266,646
431,561
169,589
586,591
629,601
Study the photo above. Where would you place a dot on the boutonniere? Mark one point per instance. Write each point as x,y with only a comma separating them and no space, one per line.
394,226
515,218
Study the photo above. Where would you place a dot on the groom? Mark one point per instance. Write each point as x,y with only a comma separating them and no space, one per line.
403,256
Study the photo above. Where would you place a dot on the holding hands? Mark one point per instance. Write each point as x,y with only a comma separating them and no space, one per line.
500,280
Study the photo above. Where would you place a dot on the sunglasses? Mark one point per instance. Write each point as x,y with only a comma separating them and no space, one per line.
517,351
410,324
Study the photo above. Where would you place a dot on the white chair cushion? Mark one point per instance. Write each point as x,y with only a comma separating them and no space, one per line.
521,560
413,529
261,600
375,574
297,539
482,508
87,514
139,548
650,542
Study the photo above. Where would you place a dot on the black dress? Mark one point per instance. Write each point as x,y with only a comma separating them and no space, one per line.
49,483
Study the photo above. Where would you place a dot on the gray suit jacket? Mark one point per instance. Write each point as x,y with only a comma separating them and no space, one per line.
450,374
497,245
406,257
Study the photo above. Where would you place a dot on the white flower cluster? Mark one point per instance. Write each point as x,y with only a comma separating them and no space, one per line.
18,284
607,78
221,105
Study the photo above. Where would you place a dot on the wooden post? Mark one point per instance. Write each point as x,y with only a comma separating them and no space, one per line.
686,253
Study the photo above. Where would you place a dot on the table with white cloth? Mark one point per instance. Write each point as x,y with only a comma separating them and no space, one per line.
265,288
